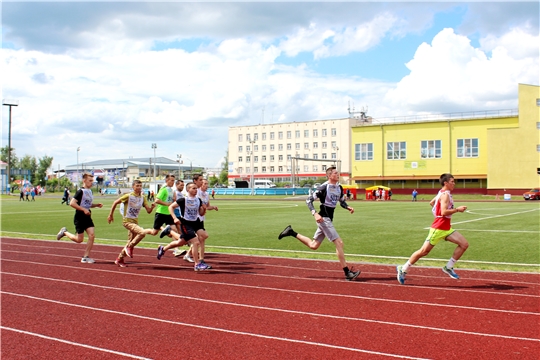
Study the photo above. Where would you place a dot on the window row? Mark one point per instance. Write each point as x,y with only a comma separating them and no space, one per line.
297,146
289,156
297,133
272,169
429,149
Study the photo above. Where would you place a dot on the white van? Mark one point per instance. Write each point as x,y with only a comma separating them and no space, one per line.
263,184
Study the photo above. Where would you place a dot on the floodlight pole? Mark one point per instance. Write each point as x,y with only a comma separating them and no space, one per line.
252,183
10,103
154,146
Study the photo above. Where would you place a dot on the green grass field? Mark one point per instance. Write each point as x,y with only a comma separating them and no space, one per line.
502,235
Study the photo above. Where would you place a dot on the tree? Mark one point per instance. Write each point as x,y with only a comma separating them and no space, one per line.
44,164
4,156
29,163
224,174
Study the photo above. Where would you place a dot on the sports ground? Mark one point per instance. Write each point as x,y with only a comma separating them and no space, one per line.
265,298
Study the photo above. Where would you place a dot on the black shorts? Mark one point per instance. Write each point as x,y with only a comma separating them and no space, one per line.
82,222
199,225
188,230
161,219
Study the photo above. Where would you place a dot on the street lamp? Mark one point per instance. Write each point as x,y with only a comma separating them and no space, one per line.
10,103
252,169
179,159
77,176
154,146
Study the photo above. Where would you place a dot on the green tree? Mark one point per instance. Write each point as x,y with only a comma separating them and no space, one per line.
28,162
224,174
44,164
4,156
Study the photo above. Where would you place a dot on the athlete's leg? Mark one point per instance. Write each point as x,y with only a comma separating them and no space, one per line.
462,244
90,243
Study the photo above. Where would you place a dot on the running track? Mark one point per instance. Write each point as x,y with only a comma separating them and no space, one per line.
54,307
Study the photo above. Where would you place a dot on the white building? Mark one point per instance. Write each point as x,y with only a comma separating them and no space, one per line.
270,150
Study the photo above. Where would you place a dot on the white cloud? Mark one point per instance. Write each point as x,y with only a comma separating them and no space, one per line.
451,75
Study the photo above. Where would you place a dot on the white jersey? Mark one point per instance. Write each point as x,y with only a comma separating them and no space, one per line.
203,195
87,198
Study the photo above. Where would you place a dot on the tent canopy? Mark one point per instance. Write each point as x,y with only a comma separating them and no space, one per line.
375,187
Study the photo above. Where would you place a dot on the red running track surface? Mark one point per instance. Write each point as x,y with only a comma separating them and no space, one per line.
54,307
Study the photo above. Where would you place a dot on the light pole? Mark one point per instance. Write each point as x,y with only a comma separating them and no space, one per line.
154,146
10,103
252,183
179,159
77,178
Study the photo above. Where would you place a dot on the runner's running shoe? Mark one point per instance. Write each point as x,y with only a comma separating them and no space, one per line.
401,275
450,273
160,252
61,233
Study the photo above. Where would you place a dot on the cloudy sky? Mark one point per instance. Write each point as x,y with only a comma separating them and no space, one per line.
114,77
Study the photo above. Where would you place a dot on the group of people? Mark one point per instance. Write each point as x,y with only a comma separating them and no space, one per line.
331,193
181,218
29,191
177,216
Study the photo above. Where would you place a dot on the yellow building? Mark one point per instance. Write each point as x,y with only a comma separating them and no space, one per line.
490,152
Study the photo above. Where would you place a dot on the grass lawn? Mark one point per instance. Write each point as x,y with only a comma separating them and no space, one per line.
503,235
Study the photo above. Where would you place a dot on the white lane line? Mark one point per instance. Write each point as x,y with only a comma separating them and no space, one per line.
214,328
73,343
452,306
493,217
289,277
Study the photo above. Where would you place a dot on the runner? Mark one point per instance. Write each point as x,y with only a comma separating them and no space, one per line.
329,194
133,202
82,202
441,229
164,199
191,207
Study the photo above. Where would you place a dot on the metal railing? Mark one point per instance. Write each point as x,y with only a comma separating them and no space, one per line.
463,115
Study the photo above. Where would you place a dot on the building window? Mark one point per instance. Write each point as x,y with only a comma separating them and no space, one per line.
289,168
239,137
255,137
248,170
324,156
248,158
264,136
256,158
430,149
396,150
297,146
255,169
315,156
280,135
240,149
272,135
323,168
271,169
280,168
239,170
280,147
280,157
306,146
263,147
334,131
271,157
538,125
315,168
264,158
248,148
334,156
239,159
255,147
334,144
467,148
537,102
315,132
315,145
323,132
306,133
271,147
306,156
289,146
306,168
288,157
264,169
289,134
248,137
324,144
363,152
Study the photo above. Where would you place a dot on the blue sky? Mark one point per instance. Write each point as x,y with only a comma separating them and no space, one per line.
113,78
